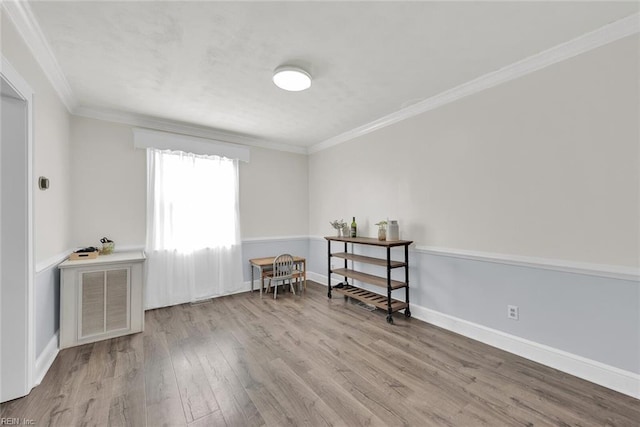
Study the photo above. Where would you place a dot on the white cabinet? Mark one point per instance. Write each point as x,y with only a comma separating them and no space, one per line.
101,298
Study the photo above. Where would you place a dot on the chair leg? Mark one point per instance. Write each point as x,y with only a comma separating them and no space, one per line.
275,291
293,289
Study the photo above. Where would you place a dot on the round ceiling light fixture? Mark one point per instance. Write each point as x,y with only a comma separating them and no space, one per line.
291,78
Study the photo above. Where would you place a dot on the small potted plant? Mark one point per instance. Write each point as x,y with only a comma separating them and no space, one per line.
340,226
382,230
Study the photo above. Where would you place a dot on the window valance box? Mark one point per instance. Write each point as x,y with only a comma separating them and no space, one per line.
146,138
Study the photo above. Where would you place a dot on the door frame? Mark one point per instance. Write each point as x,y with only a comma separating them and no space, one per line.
22,88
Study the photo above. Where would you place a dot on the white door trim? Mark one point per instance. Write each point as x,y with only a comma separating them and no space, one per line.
20,85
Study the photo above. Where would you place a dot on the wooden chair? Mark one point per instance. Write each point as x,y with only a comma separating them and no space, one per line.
298,274
282,272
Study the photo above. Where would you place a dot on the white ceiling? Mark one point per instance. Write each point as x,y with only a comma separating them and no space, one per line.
210,63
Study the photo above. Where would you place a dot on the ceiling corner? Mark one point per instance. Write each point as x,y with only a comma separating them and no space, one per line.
21,15
609,33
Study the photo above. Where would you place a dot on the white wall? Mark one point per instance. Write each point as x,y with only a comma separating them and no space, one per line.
51,150
268,173
109,184
52,208
109,188
543,166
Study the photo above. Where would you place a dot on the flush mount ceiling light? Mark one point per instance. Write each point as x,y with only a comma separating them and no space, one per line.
290,78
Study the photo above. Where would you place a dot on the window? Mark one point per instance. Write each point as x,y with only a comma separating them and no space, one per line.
193,203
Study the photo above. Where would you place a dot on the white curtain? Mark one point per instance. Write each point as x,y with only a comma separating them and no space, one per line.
193,228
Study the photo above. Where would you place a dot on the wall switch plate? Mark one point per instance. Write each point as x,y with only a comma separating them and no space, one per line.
513,312
43,183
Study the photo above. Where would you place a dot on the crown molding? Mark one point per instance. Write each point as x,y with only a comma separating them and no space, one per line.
589,41
142,121
21,15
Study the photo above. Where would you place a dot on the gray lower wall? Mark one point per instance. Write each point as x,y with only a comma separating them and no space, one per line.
47,306
594,317
590,316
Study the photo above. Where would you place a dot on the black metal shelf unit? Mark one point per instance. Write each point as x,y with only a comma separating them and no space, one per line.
378,300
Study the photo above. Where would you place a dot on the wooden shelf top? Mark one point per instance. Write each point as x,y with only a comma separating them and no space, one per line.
368,260
372,241
368,278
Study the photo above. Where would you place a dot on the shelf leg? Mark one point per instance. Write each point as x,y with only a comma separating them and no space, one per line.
345,264
329,269
407,311
389,315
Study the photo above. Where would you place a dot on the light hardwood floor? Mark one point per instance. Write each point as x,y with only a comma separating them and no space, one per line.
306,360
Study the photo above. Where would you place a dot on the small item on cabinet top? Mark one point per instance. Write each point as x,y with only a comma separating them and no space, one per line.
107,246
84,253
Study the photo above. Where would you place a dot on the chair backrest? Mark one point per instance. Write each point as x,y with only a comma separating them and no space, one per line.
282,266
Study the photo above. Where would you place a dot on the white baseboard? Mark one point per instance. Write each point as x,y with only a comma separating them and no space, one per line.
319,278
599,373
46,358
246,287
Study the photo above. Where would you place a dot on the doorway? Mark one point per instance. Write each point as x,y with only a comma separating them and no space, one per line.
17,337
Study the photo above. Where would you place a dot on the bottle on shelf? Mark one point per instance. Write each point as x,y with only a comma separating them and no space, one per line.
354,228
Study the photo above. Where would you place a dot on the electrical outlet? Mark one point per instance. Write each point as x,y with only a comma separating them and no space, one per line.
513,312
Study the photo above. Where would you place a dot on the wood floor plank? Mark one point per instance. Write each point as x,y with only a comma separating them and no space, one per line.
92,403
299,401
128,402
306,360
212,420
163,401
248,369
197,397
236,406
